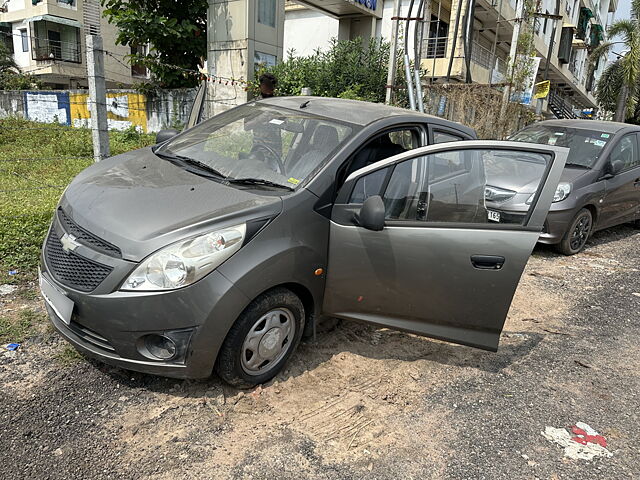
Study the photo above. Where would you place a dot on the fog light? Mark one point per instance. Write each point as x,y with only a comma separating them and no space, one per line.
161,347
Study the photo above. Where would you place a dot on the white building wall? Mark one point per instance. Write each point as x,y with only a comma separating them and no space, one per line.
14,5
307,30
23,59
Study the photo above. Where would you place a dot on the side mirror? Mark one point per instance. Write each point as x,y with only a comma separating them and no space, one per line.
615,167
164,135
371,214
611,169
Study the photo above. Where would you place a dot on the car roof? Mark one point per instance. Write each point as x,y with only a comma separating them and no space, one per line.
596,125
358,112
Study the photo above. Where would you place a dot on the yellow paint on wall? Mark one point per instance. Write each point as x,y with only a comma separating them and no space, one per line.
135,108
79,107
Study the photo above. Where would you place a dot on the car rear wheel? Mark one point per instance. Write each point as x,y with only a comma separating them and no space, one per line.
262,339
577,234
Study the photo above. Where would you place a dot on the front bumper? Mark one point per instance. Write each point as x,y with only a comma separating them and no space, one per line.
109,327
556,226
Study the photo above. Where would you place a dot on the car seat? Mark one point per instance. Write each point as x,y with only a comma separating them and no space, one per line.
324,141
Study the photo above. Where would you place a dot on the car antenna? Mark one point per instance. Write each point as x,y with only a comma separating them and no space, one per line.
304,104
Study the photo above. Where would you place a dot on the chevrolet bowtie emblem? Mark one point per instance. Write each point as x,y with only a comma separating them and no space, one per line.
69,243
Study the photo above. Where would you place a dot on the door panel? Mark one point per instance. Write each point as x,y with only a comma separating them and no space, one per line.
196,114
428,270
622,192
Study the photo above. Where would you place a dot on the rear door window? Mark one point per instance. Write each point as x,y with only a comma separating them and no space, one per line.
440,136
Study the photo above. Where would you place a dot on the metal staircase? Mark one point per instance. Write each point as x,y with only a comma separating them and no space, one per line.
559,107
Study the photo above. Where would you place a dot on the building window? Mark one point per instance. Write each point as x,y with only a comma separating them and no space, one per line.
437,42
138,69
263,59
267,12
25,40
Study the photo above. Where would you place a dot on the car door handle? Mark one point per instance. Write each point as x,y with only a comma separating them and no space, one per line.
487,262
636,182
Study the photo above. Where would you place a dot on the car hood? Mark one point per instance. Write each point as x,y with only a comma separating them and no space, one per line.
141,203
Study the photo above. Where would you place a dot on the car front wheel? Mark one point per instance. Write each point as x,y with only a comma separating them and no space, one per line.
262,339
577,234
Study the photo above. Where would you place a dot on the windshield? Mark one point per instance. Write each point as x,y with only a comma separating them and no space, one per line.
259,145
585,146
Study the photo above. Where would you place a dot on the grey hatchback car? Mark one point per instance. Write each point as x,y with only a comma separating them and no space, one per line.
217,249
599,188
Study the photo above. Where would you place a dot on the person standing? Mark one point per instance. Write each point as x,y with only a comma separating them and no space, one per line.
268,83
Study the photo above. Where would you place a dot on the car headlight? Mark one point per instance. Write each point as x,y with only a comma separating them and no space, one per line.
562,192
495,194
187,261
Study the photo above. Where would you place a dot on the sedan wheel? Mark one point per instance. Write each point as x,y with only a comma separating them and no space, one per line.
578,233
262,339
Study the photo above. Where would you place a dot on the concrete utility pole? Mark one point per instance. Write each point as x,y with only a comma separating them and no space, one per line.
391,73
97,97
506,96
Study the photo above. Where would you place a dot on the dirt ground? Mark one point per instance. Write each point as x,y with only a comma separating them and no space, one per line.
362,402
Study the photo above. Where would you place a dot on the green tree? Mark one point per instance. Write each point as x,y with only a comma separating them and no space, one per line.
625,71
7,63
10,76
175,30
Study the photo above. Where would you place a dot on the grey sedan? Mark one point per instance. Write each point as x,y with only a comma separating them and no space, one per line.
599,188
218,249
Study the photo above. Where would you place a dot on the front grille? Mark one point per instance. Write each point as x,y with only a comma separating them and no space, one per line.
71,269
90,336
87,238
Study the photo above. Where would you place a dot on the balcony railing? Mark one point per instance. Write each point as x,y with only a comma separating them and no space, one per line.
57,51
435,47
482,56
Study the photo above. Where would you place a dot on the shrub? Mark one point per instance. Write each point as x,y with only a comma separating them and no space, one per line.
348,69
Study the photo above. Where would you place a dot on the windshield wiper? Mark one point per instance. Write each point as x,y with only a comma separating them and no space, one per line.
579,165
191,161
257,181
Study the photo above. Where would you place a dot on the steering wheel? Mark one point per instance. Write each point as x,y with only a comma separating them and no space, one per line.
271,151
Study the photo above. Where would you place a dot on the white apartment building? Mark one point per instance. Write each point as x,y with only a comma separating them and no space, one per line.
47,38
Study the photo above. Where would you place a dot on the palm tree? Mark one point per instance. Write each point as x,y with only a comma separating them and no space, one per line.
627,69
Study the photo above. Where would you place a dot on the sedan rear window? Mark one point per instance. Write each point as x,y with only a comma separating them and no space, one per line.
256,142
585,146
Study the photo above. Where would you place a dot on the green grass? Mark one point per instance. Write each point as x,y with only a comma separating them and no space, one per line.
37,161
25,325
68,356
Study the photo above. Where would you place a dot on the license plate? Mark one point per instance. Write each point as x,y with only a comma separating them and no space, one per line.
58,301
493,216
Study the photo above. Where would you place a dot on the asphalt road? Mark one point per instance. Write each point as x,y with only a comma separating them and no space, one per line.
363,402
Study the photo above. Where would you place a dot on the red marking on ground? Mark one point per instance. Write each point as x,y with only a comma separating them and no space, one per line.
583,437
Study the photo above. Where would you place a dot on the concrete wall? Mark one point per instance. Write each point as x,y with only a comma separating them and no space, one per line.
125,108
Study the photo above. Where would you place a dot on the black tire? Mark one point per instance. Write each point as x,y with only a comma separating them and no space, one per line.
577,234
230,366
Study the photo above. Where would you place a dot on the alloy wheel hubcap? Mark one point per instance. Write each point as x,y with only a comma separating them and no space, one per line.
580,233
268,341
